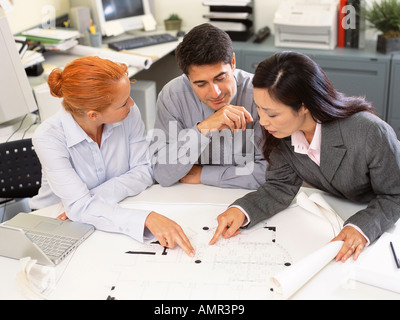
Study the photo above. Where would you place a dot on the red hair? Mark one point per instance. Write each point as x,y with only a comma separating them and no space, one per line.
86,83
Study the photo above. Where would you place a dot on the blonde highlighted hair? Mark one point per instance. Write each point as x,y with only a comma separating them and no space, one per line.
86,84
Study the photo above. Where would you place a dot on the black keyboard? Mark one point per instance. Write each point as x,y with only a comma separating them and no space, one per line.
142,41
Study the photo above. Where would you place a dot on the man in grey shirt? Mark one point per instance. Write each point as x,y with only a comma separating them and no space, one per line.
206,129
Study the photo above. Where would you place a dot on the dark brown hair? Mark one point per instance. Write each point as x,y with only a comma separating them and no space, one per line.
205,44
294,79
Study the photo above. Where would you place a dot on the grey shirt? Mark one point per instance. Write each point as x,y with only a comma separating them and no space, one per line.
231,160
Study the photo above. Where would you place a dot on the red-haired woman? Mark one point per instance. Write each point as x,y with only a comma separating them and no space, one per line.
94,153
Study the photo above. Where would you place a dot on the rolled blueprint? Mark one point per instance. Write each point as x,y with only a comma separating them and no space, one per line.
287,282
317,205
129,59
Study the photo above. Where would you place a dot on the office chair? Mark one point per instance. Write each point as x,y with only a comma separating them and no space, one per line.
20,169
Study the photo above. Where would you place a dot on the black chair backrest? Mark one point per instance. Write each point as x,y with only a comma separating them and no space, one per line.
20,169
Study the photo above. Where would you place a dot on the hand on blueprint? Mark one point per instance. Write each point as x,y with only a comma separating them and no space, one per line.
354,242
229,223
168,232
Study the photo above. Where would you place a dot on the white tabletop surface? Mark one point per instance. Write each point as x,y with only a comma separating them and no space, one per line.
91,271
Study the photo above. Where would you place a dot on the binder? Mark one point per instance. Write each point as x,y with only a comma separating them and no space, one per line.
355,38
341,31
50,35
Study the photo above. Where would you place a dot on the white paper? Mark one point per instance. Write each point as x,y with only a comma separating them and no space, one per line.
149,23
7,6
128,59
377,267
58,34
229,26
227,15
35,281
113,28
287,282
235,268
31,58
312,229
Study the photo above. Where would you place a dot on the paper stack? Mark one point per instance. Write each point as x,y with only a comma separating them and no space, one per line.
31,58
226,2
28,57
53,39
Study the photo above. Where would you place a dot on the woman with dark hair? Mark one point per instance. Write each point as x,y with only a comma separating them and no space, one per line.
335,143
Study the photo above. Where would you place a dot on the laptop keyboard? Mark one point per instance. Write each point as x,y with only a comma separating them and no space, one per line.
52,245
141,41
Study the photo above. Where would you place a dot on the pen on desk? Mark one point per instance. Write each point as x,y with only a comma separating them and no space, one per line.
395,256
141,252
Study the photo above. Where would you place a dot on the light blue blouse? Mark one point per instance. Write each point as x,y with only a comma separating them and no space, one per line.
90,181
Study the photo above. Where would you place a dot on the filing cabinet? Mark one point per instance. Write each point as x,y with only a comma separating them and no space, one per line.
394,96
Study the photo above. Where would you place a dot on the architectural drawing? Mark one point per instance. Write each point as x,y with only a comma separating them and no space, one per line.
236,268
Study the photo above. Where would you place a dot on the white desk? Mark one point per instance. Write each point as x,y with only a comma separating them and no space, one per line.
60,59
156,52
93,269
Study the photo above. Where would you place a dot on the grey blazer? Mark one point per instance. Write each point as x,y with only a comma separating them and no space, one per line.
360,161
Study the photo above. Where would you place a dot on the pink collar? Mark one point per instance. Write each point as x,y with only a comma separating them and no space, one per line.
301,145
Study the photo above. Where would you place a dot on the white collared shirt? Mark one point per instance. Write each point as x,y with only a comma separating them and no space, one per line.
90,181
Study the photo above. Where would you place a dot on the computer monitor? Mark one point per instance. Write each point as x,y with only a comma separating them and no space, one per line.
16,96
127,14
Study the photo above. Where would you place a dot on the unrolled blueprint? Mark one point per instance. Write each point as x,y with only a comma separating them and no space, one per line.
237,268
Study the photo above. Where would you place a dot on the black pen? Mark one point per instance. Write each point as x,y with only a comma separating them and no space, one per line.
395,256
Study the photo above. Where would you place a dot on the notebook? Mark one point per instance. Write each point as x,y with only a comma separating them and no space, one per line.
48,240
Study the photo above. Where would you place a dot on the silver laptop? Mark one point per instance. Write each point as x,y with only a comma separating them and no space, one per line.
48,240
